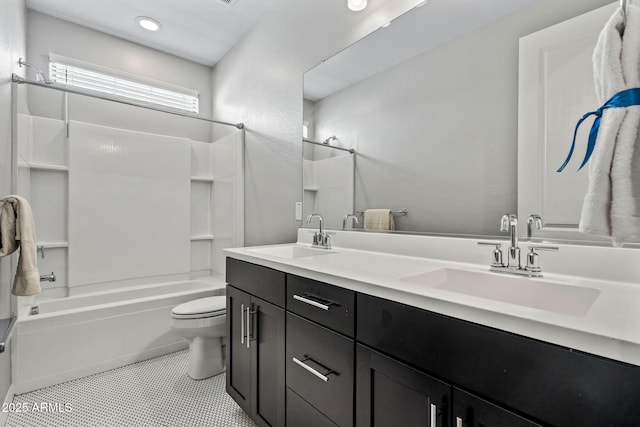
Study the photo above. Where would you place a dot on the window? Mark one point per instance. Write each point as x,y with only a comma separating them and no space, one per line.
82,77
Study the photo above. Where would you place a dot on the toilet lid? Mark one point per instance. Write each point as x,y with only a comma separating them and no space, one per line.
201,306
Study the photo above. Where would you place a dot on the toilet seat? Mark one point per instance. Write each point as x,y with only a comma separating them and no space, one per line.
200,308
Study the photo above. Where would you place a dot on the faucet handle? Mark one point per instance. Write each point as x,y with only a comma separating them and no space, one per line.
533,264
543,248
496,257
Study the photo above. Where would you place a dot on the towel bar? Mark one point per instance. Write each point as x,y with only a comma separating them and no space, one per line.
402,212
6,327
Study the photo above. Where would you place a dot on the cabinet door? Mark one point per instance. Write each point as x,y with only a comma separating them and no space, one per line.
238,354
392,394
471,411
266,342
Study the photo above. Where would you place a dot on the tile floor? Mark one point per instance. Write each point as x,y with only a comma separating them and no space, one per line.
152,393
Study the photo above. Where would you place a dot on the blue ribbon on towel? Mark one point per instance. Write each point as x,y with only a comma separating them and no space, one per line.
625,98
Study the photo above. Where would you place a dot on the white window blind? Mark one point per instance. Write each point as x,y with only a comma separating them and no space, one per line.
78,77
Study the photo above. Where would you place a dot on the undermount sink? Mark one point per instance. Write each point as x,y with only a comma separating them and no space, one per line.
290,252
535,293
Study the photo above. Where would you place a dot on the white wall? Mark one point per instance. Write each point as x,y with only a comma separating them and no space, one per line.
12,47
259,82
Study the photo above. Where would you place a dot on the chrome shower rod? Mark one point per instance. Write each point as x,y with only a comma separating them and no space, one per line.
19,80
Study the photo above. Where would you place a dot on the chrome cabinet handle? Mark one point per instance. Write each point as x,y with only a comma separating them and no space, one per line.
310,369
248,327
311,302
458,422
241,323
433,413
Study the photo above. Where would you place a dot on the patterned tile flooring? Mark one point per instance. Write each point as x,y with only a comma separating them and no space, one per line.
152,393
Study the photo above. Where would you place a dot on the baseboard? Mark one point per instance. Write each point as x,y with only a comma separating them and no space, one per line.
7,399
61,377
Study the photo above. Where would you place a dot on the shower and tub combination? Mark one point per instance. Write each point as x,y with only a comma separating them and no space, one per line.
133,207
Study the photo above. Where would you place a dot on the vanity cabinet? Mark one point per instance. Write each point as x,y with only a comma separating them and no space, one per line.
255,341
347,358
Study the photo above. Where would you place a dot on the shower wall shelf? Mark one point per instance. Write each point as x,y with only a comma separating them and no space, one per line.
202,179
202,237
43,166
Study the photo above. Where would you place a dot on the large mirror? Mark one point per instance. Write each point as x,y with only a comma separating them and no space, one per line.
429,104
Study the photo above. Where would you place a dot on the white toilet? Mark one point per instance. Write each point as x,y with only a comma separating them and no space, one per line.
202,322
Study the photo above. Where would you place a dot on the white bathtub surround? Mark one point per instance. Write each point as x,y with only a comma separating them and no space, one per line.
86,334
151,393
131,184
380,264
129,197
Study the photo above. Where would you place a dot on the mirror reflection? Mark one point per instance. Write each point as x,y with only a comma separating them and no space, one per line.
430,106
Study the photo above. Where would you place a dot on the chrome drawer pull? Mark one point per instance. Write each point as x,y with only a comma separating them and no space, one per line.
458,422
310,369
311,302
433,412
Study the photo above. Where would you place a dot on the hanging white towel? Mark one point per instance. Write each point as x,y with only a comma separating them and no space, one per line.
17,229
378,220
612,203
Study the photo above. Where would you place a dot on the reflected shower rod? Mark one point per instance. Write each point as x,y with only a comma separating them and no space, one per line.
350,150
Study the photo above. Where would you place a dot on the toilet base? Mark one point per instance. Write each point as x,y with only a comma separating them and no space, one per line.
205,358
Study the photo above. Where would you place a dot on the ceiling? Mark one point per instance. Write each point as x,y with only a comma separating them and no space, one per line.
426,27
198,30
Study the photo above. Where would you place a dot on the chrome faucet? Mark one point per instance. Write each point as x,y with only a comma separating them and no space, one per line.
533,221
509,223
320,238
346,218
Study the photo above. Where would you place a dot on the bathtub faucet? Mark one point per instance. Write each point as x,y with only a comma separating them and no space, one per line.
48,277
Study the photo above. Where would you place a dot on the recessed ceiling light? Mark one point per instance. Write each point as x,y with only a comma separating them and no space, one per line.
148,24
356,5
386,25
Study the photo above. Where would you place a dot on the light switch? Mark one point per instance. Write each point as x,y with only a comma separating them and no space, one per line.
298,211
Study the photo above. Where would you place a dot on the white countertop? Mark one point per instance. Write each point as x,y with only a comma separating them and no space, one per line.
610,328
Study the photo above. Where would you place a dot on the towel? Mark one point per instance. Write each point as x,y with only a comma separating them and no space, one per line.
17,229
378,220
612,204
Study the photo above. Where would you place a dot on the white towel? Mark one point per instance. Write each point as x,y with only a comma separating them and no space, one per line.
378,220
17,229
612,203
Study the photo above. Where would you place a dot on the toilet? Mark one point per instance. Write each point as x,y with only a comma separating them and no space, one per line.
202,322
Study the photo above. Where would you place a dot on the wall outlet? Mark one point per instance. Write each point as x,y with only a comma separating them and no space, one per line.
298,211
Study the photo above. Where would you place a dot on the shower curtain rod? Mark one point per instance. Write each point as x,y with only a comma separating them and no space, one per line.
19,80
350,150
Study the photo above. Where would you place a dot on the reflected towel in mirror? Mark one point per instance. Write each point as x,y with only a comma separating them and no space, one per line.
378,220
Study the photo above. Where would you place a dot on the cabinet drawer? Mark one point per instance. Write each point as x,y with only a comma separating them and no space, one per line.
320,368
300,413
326,304
263,282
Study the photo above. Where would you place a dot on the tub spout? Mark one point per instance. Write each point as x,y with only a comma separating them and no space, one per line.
48,277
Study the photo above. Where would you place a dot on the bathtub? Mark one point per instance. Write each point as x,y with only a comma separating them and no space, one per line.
82,335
